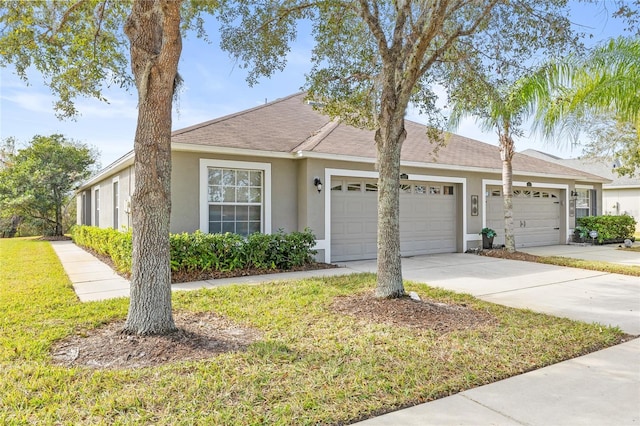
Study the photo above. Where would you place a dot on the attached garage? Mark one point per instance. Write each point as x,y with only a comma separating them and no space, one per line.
536,216
428,218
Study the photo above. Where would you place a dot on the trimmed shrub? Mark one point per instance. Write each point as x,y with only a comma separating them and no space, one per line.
609,228
206,252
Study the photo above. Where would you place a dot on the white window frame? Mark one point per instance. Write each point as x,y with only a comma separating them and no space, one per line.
115,220
588,191
95,206
206,163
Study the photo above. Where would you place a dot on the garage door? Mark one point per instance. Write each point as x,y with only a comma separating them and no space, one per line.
427,218
536,216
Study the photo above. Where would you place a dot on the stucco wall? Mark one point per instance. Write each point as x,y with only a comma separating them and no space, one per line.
622,201
185,210
107,211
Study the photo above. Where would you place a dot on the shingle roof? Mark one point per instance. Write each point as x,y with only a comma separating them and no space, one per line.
290,125
599,168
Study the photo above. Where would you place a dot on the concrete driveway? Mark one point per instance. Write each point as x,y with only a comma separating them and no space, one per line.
591,296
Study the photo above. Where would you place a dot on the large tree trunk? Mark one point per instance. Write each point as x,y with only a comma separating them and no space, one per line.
389,138
506,154
154,31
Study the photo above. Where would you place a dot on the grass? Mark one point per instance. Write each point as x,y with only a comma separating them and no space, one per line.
592,265
312,366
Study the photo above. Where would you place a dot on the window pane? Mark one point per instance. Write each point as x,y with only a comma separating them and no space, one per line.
242,194
354,186
448,190
216,194
242,228
228,227
254,213
229,177
371,187
420,189
434,190
255,178
215,227
215,213
255,195
242,213
405,189
228,213
229,194
243,178
337,187
254,227
215,177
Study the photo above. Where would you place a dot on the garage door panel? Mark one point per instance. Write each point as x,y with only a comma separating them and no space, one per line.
536,219
427,224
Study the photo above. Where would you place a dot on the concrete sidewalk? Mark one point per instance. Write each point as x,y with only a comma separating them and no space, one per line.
601,388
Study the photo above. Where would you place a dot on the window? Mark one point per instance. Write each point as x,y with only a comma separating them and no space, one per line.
448,190
405,189
354,186
235,200
371,187
434,190
96,204
116,204
235,196
496,193
583,202
420,189
336,187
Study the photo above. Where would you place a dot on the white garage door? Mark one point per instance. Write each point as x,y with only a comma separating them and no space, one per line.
536,216
427,218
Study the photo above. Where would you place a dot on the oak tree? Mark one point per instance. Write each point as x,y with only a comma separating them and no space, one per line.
78,46
373,58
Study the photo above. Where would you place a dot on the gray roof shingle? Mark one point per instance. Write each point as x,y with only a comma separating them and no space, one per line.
290,125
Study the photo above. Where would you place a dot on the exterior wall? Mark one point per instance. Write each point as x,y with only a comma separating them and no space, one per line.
617,201
185,178
107,211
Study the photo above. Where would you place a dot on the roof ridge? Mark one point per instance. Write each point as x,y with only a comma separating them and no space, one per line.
314,139
232,115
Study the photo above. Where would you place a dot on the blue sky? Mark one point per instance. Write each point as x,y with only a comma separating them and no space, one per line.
214,87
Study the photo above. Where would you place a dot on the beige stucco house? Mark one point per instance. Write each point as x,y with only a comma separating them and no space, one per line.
620,195
285,166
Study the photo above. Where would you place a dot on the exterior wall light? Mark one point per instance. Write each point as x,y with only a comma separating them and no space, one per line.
574,194
317,183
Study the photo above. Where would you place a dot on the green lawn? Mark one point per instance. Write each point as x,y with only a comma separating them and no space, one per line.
312,366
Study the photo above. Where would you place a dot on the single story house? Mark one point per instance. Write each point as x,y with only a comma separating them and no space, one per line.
284,165
620,196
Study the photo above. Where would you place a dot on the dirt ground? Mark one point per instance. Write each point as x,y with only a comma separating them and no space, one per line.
204,335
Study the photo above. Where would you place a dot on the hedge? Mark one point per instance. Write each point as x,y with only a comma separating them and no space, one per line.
207,252
609,228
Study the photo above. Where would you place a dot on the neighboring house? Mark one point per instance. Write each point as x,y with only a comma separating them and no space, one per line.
620,196
261,169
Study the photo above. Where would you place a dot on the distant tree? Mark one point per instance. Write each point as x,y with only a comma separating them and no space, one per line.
372,58
37,182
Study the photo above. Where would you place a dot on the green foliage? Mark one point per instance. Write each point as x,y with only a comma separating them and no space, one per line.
312,364
203,252
38,181
608,227
107,242
490,233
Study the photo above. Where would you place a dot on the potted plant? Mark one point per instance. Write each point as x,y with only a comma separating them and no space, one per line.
487,237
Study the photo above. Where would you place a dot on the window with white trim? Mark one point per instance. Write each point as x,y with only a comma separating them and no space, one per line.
235,200
583,202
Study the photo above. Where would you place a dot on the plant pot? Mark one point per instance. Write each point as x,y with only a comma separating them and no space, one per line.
487,242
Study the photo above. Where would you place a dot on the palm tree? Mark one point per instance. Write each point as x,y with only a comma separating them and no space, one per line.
606,82
501,108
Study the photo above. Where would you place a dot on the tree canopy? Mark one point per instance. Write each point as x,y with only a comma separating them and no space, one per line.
38,181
